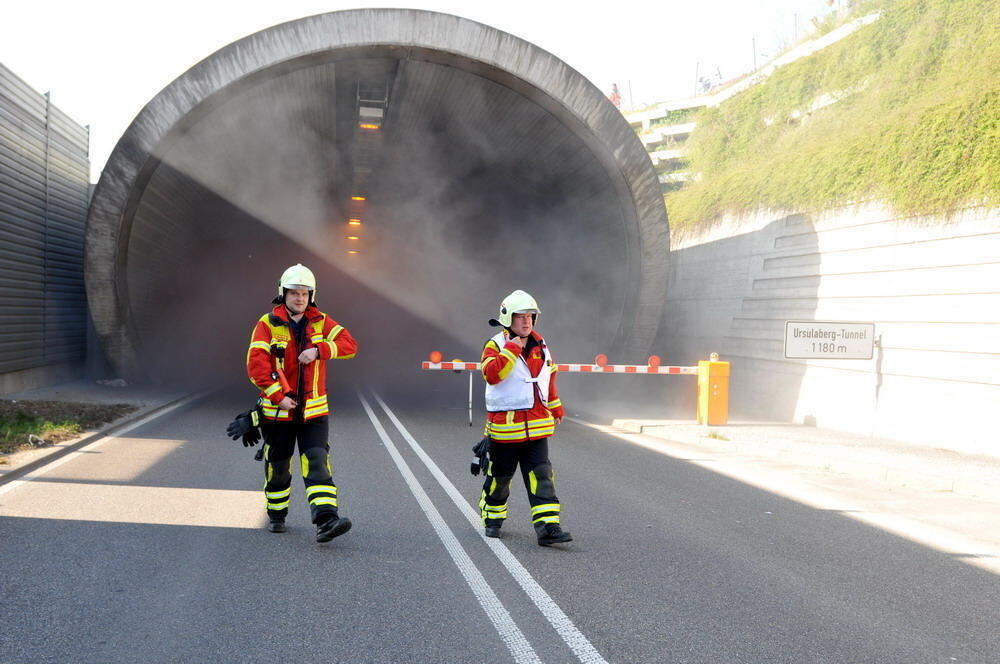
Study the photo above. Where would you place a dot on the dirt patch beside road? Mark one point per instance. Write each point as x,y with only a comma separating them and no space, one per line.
26,424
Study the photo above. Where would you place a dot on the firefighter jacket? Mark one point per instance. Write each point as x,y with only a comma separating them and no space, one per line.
273,361
521,398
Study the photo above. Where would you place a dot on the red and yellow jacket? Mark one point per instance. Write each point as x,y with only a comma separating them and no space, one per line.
273,348
514,426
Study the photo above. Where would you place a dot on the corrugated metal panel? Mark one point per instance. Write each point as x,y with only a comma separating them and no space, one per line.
44,193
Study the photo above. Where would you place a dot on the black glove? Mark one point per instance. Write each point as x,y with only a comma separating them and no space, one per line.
479,459
245,426
251,438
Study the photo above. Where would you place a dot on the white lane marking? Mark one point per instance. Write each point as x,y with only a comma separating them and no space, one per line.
38,472
782,483
573,637
511,634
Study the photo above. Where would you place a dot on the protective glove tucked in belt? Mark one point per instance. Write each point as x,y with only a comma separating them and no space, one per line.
480,458
246,426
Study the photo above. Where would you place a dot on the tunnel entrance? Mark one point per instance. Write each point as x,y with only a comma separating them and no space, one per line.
422,165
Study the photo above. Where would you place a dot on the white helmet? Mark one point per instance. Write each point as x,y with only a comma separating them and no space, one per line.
517,302
297,276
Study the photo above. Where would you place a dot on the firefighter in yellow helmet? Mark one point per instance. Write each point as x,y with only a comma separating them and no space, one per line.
289,349
523,409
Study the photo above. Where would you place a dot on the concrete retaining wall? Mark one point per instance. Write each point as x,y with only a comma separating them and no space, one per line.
930,285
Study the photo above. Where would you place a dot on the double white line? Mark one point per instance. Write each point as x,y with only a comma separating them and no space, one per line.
512,636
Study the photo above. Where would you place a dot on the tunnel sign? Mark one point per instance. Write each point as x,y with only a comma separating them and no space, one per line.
828,340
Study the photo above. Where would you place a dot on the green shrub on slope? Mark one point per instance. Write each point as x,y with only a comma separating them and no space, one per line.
905,110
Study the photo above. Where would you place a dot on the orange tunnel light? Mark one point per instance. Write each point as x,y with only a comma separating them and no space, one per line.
354,222
353,251
359,198
353,237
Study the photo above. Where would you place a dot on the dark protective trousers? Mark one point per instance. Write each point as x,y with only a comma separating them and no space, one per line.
533,458
280,439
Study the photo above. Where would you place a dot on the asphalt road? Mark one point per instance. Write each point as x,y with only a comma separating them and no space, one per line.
149,546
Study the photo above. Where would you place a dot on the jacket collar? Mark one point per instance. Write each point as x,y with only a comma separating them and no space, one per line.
534,335
311,313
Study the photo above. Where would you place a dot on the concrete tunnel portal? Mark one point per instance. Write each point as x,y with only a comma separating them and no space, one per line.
466,163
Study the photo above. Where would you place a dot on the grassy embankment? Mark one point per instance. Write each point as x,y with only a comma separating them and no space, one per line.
916,122
52,421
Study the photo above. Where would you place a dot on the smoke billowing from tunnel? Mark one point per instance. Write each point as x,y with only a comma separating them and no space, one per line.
477,180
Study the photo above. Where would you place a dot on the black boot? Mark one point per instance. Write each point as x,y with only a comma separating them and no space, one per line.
276,524
492,527
333,526
551,533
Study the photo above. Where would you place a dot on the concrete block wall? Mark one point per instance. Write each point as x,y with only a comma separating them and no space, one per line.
930,285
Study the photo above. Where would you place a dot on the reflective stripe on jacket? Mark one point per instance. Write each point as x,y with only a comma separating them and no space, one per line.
516,390
499,363
273,349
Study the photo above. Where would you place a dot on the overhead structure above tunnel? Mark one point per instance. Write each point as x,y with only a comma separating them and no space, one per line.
415,158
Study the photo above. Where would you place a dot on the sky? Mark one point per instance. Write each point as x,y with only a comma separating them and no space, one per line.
102,61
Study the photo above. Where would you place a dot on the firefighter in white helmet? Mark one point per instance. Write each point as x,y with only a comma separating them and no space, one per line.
287,362
523,410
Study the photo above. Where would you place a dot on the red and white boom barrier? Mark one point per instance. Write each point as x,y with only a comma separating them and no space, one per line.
580,368
713,379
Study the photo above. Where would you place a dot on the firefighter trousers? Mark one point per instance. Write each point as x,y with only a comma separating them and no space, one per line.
280,439
533,458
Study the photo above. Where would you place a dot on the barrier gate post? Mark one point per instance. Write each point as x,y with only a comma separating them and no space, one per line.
713,391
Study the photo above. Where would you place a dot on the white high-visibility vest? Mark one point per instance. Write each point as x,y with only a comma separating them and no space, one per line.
517,390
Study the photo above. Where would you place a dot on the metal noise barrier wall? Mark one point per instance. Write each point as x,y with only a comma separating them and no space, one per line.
44,185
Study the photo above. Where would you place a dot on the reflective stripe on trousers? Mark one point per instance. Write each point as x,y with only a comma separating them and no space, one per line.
311,437
533,458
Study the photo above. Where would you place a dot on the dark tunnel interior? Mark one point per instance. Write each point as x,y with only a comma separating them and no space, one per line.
422,165
470,190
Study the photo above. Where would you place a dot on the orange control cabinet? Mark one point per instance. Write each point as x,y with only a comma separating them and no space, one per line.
713,391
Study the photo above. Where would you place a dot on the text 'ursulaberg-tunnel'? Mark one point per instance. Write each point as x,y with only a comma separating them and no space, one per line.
423,166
